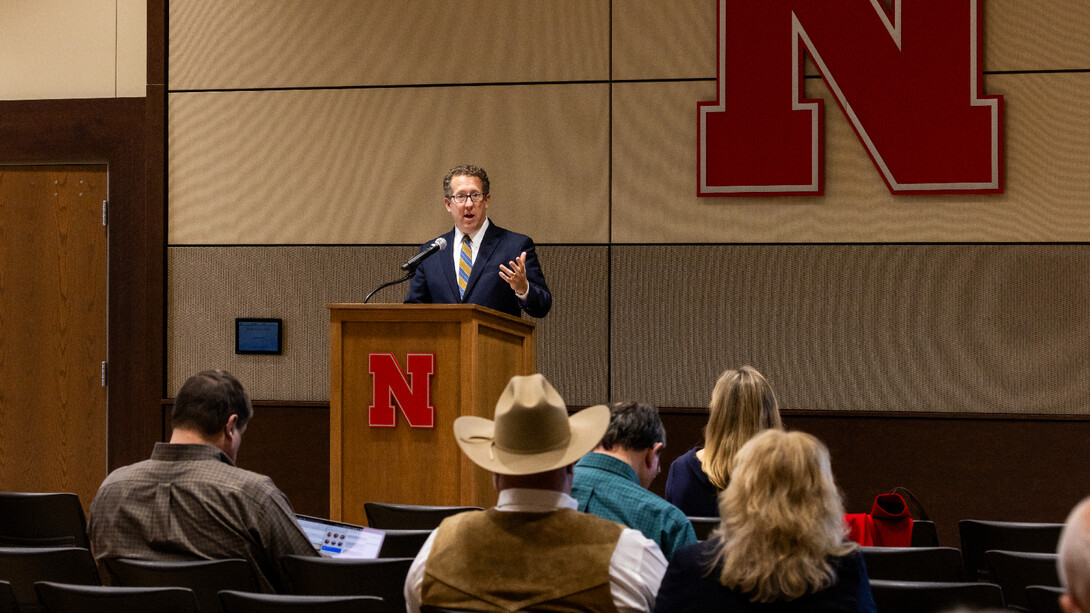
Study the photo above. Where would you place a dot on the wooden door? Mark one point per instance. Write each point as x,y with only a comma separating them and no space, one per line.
52,329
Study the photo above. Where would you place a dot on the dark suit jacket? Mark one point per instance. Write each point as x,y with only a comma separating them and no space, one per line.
435,282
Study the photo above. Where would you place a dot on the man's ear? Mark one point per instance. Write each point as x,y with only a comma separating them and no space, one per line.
650,454
231,427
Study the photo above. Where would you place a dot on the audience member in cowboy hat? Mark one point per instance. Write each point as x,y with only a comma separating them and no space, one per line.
533,549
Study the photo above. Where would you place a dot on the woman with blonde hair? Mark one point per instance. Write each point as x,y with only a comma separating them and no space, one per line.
780,543
742,405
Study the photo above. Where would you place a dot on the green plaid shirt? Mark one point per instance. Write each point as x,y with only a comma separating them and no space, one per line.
609,488
190,502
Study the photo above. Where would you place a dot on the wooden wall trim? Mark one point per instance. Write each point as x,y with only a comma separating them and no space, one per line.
111,131
157,43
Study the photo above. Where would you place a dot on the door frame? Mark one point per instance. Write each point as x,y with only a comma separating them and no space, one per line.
113,131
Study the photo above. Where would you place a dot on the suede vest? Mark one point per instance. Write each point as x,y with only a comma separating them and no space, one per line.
503,561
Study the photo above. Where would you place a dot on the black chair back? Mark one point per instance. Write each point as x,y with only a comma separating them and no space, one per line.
1014,570
23,566
978,536
403,543
703,526
384,577
1044,598
7,598
932,597
942,564
248,602
388,516
924,533
32,519
206,578
66,598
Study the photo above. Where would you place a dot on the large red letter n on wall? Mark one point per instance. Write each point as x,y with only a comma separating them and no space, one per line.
413,394
908,79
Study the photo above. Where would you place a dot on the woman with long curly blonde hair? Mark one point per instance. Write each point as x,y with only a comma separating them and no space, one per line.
742,405
780,543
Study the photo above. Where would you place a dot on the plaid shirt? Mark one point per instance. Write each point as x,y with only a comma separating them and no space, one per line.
190,502
609,488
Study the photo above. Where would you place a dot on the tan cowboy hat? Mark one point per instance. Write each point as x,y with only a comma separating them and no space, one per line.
532,432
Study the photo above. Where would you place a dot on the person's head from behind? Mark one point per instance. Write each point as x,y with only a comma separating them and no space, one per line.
742,405
532,442
781,518
636,435
213,406
1074,559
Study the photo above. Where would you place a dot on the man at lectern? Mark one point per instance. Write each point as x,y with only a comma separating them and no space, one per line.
486,264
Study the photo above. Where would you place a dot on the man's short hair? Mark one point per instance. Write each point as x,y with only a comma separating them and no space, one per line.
465,170
633,425
207,400
1074,554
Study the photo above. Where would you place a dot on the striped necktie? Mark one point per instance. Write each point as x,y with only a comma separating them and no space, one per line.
465,265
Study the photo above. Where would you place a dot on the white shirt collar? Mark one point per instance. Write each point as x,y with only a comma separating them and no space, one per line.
458,234
534,501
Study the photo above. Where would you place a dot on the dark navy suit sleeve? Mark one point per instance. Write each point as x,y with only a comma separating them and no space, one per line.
538,300
418,286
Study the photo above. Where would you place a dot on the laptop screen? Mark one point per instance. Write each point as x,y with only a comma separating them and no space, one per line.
336,539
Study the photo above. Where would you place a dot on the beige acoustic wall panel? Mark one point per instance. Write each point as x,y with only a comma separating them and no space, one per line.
58,49
934,328
366,165
1030,35
208,287
132,48
573,340
653,39
1047,128
677,40
330,43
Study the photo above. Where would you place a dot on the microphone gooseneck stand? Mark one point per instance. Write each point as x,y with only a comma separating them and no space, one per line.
407,276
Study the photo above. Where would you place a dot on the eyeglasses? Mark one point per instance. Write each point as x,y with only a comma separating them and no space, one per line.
461,198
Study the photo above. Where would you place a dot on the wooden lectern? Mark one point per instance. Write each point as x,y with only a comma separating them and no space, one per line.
476,351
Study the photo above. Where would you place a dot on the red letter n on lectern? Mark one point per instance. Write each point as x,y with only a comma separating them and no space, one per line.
909,79
412,393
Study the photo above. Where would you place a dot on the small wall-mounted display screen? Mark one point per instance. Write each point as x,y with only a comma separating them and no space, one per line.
253,335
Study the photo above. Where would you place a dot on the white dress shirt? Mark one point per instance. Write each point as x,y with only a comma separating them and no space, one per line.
475,240
635,569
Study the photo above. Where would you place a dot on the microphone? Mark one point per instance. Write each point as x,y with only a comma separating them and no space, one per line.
436,245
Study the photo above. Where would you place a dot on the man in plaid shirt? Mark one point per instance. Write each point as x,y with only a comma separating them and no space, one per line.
190,501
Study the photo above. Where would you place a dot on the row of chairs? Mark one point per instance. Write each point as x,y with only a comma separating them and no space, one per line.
1013,571
23,568
57,520
932,597
1011,564
890,596
988,553
72,598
